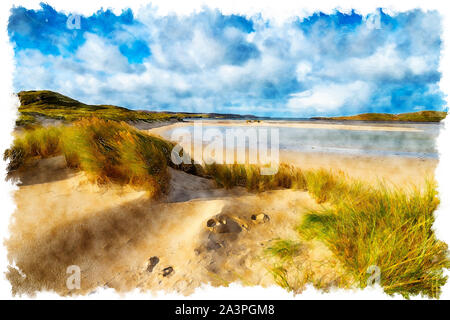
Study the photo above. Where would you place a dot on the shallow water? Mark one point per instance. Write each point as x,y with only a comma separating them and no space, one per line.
420,144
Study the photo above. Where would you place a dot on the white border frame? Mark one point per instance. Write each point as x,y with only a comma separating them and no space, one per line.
278,10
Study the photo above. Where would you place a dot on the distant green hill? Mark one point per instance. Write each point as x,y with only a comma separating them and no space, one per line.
35,105
45,104
420,116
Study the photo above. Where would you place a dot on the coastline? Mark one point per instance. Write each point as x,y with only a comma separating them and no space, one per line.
306,125
310,125
392,170
113,232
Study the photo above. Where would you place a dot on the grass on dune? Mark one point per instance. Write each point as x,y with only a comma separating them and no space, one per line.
363,225
105,150
249,176
39,142
322,184
284,249
387,228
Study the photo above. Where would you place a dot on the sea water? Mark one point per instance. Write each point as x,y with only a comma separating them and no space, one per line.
420,143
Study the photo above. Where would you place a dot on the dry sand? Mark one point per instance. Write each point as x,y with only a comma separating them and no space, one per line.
401,172
112,232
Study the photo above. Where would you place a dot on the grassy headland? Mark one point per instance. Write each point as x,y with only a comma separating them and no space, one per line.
420,116
45,104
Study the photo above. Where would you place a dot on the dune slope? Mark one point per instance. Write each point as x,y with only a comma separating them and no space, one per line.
121,239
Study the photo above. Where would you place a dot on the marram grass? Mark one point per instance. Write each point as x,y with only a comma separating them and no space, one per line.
108,151
363,225
248,176
387,228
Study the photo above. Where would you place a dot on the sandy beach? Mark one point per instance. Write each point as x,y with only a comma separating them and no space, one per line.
399,171
122,240
307,125
114,243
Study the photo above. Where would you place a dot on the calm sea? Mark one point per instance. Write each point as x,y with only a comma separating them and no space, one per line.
421,144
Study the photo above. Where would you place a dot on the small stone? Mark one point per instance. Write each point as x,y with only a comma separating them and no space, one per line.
152,262
167,271
211,223
260,218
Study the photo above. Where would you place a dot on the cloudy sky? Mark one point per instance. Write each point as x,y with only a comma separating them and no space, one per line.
337,64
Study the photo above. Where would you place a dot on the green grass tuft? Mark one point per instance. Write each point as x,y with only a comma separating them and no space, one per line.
249,177
105,150
387,228
284,249
363,225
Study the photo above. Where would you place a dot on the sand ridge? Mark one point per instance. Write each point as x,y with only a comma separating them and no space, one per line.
113,232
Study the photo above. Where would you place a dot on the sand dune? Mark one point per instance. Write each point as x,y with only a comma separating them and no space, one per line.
114,233
198,234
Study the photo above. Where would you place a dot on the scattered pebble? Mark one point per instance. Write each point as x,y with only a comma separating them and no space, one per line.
260,218
167,271
211,223
152,262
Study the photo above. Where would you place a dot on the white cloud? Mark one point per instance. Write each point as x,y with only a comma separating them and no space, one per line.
205,51
324,98
418,65
190,67
303,70
384,62
97,54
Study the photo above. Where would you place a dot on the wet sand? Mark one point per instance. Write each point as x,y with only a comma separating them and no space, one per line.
305,125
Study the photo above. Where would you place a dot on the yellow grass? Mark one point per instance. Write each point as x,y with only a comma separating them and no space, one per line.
105,150
364,225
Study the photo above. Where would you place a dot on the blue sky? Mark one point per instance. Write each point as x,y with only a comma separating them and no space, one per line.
324,64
